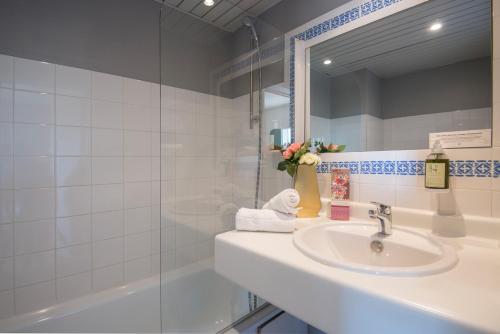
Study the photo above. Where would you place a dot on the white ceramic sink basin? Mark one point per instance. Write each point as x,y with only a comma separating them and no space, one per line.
358,247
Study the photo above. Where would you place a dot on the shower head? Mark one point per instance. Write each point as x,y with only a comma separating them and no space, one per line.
248,22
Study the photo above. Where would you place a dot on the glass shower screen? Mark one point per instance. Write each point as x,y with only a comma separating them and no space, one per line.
210,70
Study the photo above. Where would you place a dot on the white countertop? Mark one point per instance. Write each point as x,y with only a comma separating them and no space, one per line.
465,299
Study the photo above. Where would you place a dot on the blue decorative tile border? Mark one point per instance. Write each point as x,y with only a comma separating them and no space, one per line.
350,15
458,168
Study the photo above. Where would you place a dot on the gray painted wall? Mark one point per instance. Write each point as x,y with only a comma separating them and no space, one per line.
191,51
115,36
352,94
464,85
320,95
122,37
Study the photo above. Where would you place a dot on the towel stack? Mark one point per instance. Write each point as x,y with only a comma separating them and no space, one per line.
277,215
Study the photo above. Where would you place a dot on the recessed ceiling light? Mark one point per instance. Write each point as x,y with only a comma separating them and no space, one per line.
327,61
208,3
435,26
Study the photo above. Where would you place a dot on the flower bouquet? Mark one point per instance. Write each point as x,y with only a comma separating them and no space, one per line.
332,148
297,154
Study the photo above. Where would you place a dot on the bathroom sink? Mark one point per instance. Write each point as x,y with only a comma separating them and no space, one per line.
359,247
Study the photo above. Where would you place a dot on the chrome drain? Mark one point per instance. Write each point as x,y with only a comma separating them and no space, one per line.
377,246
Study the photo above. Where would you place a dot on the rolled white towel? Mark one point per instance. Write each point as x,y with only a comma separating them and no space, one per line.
264,221
285,202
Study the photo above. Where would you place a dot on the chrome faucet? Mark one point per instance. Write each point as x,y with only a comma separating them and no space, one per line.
384,215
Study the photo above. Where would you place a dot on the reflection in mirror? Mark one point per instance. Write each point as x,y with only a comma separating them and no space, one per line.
276,121
389,84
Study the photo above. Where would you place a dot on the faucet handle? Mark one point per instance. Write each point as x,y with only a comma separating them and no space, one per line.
383,208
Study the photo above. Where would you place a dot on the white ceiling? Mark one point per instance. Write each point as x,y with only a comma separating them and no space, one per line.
402,43
225,14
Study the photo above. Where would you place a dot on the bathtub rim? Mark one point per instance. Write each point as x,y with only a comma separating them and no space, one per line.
79,304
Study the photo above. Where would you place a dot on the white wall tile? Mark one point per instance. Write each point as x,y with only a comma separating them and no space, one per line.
168,120
137,245
136,143
73,201
93,183
34,172
107,87
6,240
31,139
107,114
187,145
107,252
495,204
6,105
155,168
136,117
137,92
155,119
72,141
34,75
34,236
496,123
74,286
73,81
137,220
137,194
137,269
6,173
107,142
107,170
72,230
106,278
6,273
185,122
73,260
6,206
168,96
379,193
137,169
34,204
6,138
73,171
73,111
35,297
156,144
34,107
6,71
205,125
155,193
7,304
34,268
107,225
107,197
155,95
473,202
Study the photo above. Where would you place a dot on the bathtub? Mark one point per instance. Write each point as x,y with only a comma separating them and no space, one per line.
195,300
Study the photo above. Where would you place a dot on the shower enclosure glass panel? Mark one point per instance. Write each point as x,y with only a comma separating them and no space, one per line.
210,153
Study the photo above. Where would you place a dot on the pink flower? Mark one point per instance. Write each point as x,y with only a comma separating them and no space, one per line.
294,147
333,147
287,154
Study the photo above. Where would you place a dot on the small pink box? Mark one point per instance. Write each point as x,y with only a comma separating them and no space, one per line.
340,210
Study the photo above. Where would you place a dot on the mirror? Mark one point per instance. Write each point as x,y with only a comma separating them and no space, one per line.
389,84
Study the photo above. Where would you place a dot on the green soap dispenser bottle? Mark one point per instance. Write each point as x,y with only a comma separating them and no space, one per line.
437,169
